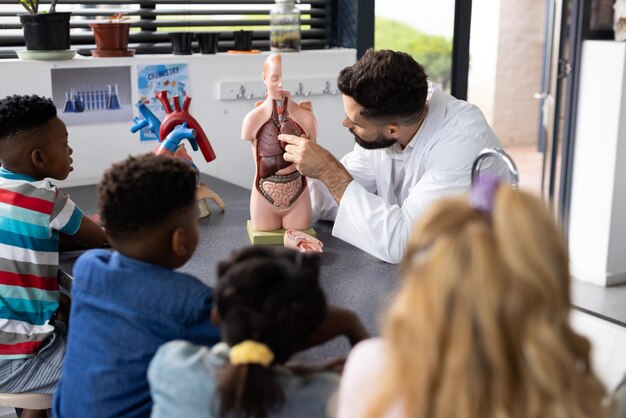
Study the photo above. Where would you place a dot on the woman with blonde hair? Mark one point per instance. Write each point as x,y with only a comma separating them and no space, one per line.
480,327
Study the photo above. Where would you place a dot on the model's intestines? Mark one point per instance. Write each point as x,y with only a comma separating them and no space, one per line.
281,191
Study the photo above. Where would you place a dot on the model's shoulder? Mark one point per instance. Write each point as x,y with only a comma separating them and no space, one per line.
265,108
296,109
254,120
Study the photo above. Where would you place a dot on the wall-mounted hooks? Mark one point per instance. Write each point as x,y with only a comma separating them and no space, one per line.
300,91
248,89
327,89
241,93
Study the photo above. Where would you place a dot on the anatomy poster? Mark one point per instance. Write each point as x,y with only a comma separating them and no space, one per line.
151,79
92,95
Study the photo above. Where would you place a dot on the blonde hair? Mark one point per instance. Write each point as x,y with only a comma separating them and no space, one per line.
480,327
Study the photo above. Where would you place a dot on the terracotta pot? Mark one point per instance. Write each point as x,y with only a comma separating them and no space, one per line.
46,31
111,36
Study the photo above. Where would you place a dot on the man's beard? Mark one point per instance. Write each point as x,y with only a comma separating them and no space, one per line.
378,143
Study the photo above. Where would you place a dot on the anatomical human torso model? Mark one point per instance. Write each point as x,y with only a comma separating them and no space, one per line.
280,198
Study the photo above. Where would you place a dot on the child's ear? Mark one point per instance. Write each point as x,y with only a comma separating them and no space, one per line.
37,157
178,242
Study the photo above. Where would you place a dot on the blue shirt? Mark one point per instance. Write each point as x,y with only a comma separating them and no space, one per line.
183,378
122,311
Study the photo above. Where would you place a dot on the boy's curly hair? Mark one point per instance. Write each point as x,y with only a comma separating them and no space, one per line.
19,113
142,191
387,85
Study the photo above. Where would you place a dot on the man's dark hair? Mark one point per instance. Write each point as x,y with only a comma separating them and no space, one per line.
387,85
21,113
142,191
272,296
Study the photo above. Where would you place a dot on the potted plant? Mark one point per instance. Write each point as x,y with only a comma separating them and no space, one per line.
45,31
112,37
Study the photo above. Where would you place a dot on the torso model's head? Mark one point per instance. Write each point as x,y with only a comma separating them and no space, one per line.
273,76
33,140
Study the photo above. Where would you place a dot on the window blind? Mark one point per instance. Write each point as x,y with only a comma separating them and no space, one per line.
152,20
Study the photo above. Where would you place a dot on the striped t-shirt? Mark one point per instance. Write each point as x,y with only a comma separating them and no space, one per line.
31,215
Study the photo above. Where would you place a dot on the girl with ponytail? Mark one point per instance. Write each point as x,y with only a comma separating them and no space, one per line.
269,305
480,327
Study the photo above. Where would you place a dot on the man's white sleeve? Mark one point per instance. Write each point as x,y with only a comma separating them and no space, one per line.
324,207
368,222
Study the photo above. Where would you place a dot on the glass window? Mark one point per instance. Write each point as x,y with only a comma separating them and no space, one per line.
421,28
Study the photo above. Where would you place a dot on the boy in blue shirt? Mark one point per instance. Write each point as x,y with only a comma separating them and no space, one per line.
34,216
127,303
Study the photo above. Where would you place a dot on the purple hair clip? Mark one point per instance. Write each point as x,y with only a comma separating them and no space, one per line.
483,193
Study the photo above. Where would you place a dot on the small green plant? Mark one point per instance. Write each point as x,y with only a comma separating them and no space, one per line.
32,6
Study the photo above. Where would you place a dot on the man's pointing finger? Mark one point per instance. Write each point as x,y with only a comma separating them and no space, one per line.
291,139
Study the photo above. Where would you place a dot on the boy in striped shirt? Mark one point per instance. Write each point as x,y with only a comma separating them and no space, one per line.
33,215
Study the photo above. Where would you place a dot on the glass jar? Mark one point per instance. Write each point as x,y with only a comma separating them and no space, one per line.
285,26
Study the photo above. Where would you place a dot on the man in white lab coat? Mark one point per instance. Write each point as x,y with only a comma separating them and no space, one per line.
414,144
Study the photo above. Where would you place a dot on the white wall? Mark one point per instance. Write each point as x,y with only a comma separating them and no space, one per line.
597,229
97,146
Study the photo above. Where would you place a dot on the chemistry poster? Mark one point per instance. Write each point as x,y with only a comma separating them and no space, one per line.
91,95
154,78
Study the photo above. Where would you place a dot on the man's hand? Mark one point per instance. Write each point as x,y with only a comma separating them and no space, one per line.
309,158
313,160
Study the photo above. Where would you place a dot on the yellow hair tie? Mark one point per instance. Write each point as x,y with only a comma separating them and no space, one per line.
251,352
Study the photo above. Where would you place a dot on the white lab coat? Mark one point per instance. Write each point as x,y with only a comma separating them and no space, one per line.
437,162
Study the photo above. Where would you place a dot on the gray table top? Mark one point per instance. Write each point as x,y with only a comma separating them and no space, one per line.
349,277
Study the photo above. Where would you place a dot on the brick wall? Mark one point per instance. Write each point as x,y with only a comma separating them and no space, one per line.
518,71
